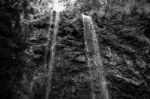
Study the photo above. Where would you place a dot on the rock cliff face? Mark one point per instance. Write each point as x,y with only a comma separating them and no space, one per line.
125,49
124,46
124,42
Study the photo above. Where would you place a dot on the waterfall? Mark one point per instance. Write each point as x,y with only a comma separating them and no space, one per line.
50,62
94,60
49,39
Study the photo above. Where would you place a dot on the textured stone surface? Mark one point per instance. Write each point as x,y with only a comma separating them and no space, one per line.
124,47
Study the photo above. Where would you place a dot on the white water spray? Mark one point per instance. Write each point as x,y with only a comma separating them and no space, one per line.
94,59
57,7
49,39
52,56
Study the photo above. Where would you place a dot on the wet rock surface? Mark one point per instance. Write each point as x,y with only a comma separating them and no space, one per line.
124,42
125,52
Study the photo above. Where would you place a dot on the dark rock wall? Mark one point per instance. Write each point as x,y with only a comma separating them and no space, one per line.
125,51
124,42
124,46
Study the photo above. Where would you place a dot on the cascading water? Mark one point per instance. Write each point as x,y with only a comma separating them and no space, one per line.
94,60
50,63
57,7
49,39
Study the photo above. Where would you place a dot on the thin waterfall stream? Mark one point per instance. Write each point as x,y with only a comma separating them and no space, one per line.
49,39
96,70
94,60
50,62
